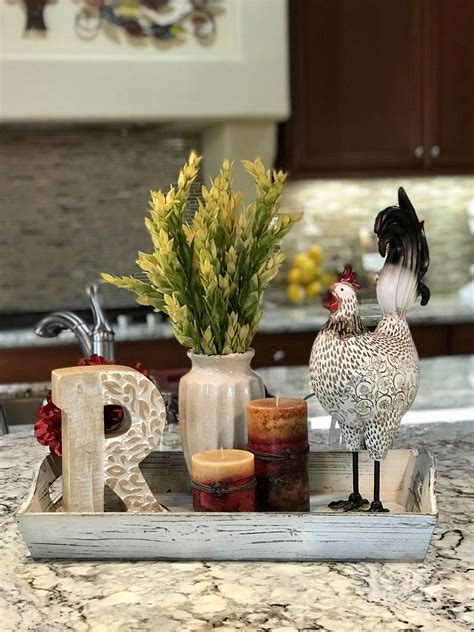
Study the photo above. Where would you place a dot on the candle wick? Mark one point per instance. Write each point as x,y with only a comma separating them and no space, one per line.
276,404
222,454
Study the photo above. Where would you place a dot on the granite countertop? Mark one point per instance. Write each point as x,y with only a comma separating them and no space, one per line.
185,596
277,318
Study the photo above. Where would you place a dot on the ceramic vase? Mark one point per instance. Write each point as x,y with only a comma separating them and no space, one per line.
213,400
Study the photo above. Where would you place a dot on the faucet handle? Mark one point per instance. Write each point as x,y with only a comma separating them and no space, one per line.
98,339
100,321
102,334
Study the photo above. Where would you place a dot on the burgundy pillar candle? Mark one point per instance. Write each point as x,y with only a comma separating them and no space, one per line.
278,438
223,480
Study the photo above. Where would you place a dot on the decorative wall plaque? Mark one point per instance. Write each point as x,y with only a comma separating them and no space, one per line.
163,20
35,15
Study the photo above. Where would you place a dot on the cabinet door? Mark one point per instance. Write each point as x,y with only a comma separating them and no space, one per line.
450,85
357,88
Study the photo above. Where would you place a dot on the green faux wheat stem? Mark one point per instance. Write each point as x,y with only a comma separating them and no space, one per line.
209,276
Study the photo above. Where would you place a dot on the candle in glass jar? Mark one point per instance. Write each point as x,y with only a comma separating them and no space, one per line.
278,437
223,480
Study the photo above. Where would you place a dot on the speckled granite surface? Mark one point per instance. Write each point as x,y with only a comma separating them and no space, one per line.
276,319
446,382
106,597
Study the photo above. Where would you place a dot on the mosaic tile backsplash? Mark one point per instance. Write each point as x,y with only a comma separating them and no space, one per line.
339,216
73,201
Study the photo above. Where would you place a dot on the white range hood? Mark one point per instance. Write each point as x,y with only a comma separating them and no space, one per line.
234,88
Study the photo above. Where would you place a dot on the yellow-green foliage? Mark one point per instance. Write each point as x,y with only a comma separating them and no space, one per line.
209,276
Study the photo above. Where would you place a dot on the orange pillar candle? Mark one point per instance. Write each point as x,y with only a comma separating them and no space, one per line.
278,437
223,480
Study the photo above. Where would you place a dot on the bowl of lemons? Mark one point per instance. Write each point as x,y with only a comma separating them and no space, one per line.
307,278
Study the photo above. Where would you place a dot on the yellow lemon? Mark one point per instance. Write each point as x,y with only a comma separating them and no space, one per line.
300,260
309,272
295,293
294,275
315,253
313,289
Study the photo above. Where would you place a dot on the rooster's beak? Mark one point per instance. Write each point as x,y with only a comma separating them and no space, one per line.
332,287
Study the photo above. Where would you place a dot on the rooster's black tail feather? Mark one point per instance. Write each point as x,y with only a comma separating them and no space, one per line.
403,242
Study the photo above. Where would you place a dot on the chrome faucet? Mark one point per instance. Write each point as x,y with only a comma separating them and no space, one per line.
97,338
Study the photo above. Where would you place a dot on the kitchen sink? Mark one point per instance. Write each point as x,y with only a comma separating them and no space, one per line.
18,411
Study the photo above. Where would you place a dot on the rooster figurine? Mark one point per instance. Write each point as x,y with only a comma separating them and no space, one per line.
367,380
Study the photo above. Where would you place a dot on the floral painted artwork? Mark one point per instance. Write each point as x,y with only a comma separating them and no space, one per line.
163,20
35,15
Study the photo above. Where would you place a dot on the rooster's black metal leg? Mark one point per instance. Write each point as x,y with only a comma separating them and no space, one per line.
355,499
376,505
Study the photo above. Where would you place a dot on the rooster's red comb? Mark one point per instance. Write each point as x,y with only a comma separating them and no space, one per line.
349,277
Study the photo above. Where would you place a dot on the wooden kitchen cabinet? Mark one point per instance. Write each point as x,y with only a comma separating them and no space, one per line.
380,88
450,85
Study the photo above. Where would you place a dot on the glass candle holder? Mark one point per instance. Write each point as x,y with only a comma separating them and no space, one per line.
223,480
278,438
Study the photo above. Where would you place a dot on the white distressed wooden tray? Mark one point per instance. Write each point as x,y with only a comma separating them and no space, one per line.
321,534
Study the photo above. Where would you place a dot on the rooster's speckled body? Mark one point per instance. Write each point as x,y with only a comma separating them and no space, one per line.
365,381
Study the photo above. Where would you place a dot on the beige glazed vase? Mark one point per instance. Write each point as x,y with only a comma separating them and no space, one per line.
213,400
